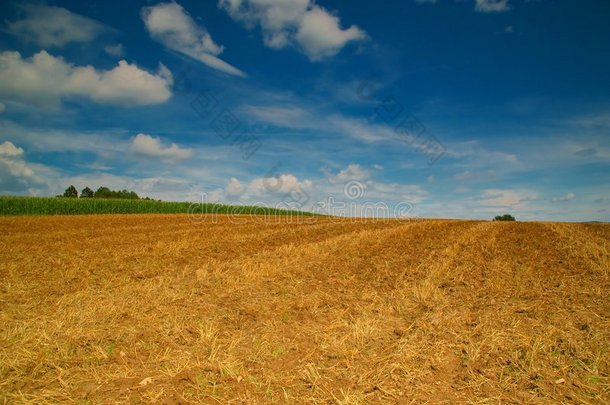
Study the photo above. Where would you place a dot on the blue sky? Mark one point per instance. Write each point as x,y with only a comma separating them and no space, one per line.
464,109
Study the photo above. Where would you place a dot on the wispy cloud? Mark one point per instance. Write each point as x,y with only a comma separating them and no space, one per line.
491,6
171,25
564,198
116,50
50,26
297,117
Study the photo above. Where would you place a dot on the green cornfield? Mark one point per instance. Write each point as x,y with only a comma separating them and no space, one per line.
12,205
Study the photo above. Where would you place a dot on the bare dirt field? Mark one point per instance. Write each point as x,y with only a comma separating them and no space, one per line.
155,309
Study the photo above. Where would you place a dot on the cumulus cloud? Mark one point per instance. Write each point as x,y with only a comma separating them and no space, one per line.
10,158
321,36
44,79
171,25
54,26
316,31
19,176
491,6
9,149
151,146
351,172
564,198
234,187
278,185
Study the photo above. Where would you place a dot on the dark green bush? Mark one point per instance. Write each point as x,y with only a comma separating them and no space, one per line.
505,217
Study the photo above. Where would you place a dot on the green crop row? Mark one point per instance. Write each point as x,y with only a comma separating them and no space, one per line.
11,205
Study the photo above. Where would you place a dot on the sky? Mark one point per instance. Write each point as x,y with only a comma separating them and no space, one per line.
418,108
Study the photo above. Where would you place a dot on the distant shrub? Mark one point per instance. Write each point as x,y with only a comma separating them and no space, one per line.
505,217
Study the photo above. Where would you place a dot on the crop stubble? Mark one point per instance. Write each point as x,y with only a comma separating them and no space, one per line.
152,308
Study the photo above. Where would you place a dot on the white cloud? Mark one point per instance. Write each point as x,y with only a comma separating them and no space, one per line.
43,80
147,145
9,149
17,175
491,6
116,50
278,185
54,26
171,25
316,31
234,187
321,36
564,198
351,172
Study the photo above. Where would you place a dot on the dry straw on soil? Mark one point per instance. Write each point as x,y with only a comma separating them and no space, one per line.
153,309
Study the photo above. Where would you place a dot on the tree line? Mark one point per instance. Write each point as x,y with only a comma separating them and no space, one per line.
102,192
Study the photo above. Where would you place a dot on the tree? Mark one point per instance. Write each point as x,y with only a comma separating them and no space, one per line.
103,192
505,217
86,193
71,192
